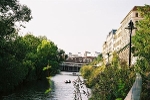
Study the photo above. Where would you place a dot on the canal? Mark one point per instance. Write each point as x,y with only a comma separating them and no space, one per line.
37,91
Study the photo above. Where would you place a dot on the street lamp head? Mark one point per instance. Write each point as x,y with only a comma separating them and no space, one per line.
130,26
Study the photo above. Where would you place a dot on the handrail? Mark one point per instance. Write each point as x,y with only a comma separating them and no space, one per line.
135,91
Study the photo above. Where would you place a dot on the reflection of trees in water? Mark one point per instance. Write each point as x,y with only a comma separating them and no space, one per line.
29,91
80,89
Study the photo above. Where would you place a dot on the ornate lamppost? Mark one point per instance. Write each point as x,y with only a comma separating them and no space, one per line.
108,54
130,28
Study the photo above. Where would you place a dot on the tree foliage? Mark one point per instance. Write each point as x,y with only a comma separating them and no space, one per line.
13,70
11,11
109,82
23,58
115,81
12,47
141,49
97,59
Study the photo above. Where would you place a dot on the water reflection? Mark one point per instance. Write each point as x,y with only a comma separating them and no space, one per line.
62,90
36,91
32,91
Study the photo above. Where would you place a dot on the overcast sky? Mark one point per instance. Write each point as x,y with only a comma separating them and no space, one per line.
77,25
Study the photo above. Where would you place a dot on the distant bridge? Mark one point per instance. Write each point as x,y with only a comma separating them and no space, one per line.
71,66
74,63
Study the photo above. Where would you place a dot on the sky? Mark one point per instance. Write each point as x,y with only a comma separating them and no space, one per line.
77,25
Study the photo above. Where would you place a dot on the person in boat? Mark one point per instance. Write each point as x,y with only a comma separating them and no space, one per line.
67,81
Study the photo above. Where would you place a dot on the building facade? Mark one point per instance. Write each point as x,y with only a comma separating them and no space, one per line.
108,46
121,37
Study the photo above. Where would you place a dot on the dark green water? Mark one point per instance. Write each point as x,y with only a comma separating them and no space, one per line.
36,90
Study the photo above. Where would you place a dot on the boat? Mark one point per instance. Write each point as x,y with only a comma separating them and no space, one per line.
67,81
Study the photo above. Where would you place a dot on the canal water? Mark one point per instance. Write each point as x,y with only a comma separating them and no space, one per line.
59,89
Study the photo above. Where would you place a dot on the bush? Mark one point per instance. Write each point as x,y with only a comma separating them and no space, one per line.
109,83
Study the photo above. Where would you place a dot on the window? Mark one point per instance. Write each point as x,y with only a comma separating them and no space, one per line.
136,22
136,14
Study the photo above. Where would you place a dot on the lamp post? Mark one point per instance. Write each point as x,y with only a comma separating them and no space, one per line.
130,28
108,54
108,57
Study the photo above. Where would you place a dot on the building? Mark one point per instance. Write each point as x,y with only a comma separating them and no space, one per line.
108,46
119,41
125,36
79,59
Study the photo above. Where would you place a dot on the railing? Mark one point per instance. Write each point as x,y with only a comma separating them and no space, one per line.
72,64
135,91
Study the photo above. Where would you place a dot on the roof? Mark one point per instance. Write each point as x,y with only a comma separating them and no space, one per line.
79,59
113,31
135,8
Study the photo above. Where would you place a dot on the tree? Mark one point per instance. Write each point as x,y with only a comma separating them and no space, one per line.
30,60
13,70
115,60
48,54
32,42
141,40
11,11
141,49
12,47
97,59
61,56
109,82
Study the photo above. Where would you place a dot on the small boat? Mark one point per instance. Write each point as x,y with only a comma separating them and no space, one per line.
67,81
